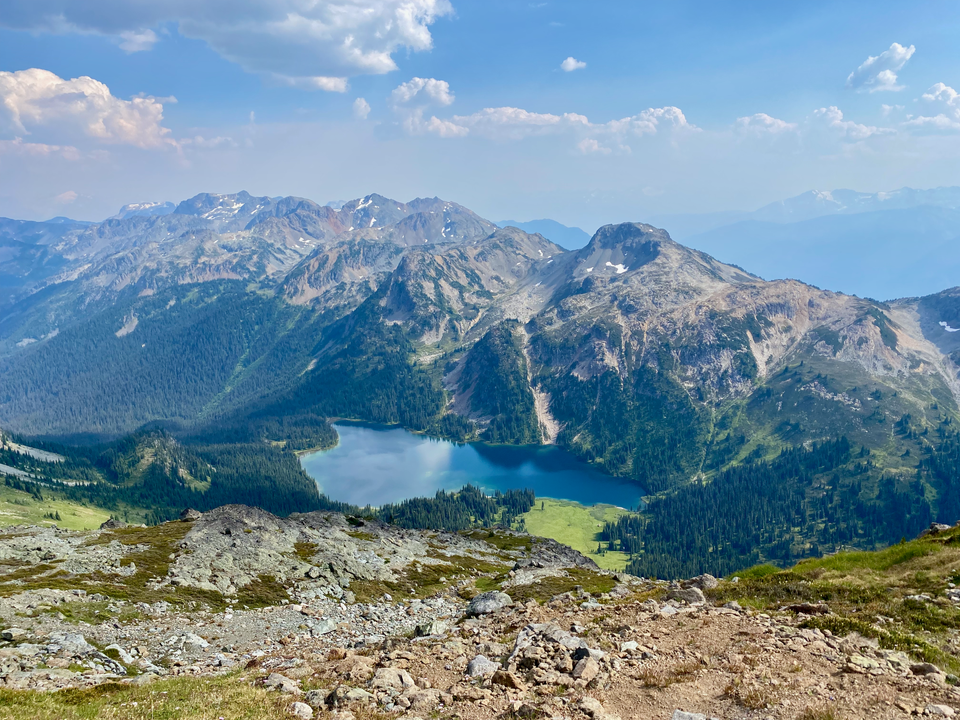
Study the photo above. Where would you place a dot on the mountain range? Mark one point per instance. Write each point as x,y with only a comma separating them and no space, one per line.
249,320
881,245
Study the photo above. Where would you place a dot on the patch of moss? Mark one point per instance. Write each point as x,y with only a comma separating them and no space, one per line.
305,550
361,535
591,582
26,572
502,540
888,639
262,592
93,613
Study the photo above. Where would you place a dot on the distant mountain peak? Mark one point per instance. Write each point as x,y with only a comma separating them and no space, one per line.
61,220
571,238
144,209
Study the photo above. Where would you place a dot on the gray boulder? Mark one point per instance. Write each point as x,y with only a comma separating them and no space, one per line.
302,711
481,665
13,634
703,582
392,678
276,681
488,602
431,627
691,596
71,644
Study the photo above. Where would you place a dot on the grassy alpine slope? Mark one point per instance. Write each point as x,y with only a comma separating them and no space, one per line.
576,526
899,595
18,507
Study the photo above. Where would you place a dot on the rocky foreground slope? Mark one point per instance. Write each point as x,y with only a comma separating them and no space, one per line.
322,615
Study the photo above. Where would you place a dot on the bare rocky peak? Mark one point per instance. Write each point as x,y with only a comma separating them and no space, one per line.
442,290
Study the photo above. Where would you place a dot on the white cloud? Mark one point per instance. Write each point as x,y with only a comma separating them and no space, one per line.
316,82
946,103
361,108
18,147
445,128
886,110
590,145
763,124
571,64
943,93
137,41
648,122
37,99
849,130
425,89
411,100
317,44
65,198
516,123
879,72
933,123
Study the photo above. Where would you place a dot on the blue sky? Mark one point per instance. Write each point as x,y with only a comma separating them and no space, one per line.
663,107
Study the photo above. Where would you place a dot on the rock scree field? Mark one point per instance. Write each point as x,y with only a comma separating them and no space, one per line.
236,613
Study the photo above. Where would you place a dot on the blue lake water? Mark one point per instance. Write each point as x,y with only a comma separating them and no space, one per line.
377,465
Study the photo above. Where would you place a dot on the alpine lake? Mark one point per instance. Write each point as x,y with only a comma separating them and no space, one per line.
376,465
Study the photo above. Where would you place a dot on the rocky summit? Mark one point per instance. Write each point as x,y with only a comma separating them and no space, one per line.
323,615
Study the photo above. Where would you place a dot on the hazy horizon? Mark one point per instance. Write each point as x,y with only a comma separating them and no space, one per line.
582,114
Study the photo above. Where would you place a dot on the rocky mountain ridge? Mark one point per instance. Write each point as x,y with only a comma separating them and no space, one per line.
209,237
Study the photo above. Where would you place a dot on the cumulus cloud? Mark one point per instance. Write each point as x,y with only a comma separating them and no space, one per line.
516,123
37,99
571,64
361,108
445,128
886,110
411,100
847,129
943,93
65,198
422,89
132,41
933,123
301,40
763,124
945,102
878,73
